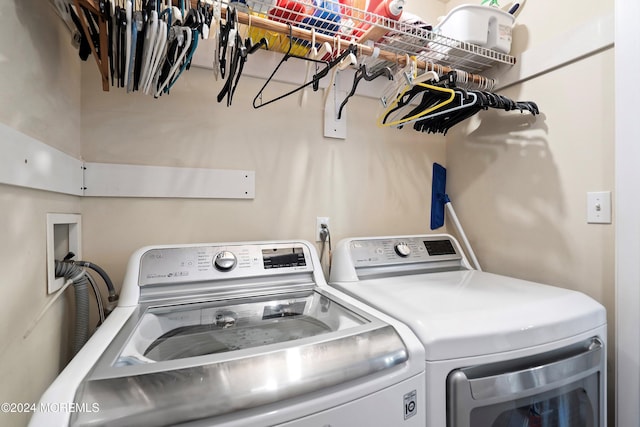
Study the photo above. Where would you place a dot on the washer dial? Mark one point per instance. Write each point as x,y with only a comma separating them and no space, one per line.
224,261
402,249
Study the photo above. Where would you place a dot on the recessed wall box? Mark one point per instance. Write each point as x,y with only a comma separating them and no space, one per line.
63,236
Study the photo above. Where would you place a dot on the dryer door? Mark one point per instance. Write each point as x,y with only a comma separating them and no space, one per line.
563,388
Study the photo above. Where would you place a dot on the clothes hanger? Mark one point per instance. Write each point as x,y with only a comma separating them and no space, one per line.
84,50
258,100
237,53
314,53
159,52
151,32
140,18
227,33
249,49
465,102
122,45
182,47
396,86
190,50
382,118
362,73
64,10
127,42
343,64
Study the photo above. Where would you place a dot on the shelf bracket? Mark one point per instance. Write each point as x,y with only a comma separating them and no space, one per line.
334,127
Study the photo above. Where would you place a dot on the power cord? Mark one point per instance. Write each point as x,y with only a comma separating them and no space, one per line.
325,236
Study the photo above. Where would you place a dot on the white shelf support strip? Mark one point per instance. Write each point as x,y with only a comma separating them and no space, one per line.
27,162
117,180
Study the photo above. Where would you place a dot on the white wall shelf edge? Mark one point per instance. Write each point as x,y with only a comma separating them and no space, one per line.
29,163
118,180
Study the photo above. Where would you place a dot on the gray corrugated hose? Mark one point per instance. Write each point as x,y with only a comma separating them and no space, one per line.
80,282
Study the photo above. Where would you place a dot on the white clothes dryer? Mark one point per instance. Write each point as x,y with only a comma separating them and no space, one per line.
500,352
239,334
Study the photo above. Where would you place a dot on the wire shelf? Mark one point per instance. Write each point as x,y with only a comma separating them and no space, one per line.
346,24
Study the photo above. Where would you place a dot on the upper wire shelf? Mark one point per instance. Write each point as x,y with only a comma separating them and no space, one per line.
407,36
295,25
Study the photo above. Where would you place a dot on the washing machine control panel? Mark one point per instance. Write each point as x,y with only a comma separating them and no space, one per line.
199,263
402,250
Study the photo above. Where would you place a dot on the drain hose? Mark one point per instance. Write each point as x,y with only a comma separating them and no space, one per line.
80,283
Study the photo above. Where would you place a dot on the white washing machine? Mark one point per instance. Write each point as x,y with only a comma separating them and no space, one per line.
239,334
500,352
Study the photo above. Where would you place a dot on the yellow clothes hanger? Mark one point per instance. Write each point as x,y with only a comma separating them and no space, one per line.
396,101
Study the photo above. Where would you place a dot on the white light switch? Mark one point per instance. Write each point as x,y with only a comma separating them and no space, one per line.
599,207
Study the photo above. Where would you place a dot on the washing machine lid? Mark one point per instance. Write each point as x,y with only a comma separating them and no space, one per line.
468,313
187,361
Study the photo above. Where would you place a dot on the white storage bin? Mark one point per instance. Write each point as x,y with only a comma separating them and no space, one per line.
481,25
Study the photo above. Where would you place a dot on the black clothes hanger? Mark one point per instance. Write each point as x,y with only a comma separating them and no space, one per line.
362,73
238,55
223,39
141,18
84,50
250,48
241,51
314,82
443,119
429,99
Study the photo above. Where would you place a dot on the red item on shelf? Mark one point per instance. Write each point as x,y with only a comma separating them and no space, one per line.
288,11
391,9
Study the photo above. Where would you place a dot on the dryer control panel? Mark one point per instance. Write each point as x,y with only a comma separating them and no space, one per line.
402,250
359,258
168,265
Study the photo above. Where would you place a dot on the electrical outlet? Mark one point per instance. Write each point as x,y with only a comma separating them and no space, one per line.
319,221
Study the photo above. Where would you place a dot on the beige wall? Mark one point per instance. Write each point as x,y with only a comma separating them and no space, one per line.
376,181
39,76
519,185
542,21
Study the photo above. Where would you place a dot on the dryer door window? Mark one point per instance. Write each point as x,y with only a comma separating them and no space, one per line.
563,388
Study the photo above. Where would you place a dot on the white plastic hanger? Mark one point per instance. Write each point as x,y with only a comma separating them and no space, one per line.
348,61
314,53
183,52
147,51
158,54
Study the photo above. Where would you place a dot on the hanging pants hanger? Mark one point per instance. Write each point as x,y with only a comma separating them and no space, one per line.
362,73
258,100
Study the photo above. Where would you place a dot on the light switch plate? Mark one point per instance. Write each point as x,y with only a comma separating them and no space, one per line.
599,207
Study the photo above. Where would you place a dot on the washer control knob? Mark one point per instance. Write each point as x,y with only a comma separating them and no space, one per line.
224,261
402,249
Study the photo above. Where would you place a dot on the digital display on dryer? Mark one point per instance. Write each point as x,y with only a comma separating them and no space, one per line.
284,257
439,247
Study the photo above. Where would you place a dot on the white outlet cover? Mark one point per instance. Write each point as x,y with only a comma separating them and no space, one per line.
74,221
